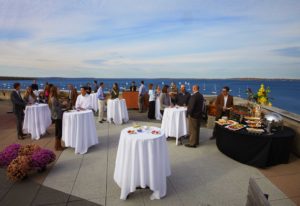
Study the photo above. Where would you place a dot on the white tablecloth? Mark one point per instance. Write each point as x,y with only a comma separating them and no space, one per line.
174,122
79,130
142,160
94,101
117,111
37,119
158,115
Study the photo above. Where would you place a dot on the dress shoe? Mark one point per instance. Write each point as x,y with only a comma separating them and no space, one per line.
101,121
21,137
189,145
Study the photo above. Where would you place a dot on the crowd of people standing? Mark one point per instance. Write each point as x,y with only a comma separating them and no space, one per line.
168,96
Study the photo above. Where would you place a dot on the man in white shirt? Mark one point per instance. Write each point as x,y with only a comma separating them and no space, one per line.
83,100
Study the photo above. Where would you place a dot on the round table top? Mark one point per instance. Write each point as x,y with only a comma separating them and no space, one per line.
142,133
116,100
176,109
75,112
37,105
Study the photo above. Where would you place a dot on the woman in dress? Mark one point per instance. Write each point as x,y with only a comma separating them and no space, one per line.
114,94
56,115
29,96
164,98
151,93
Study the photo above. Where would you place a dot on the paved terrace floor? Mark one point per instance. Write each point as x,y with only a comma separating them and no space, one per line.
201,176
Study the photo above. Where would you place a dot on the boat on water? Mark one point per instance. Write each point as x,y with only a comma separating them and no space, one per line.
215,89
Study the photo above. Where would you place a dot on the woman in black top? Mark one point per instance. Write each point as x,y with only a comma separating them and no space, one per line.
114,94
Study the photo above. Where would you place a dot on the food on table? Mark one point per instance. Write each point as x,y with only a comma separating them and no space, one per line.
235,126
136,126
225,122
254,130
253,123
252,118
131,132
231,122
155,132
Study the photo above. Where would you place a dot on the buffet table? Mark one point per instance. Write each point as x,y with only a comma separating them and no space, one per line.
142,160
79,130
132,100
117,111
174,122
37,119
259,150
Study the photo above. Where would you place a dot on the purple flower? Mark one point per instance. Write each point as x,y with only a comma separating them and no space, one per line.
41,158
9,154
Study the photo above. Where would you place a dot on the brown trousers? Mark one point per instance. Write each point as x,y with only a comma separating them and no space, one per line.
194,125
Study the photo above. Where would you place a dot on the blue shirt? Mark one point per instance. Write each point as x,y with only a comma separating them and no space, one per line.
100,94
142,90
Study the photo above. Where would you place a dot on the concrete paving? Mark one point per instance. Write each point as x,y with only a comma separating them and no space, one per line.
201,176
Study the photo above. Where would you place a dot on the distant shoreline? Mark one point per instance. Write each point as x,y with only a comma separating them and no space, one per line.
135,78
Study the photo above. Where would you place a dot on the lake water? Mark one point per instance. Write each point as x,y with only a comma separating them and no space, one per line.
285,93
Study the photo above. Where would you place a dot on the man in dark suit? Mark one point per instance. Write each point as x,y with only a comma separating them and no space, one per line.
224,103
194,111
18,108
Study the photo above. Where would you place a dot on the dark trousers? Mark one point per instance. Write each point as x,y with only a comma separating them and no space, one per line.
162,112
194,125
151,112
58,128
20,119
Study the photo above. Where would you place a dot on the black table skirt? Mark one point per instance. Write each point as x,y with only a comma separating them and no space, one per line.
252,149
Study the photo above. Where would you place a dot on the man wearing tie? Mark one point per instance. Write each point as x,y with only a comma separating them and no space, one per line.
18,108
101,102
194,111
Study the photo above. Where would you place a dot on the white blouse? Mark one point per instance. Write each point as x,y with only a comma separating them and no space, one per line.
83,102
151,95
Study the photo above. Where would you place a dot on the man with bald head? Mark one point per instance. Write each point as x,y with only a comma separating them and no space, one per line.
194,111
183,97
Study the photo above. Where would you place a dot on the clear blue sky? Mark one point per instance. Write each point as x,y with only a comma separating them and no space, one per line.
153,38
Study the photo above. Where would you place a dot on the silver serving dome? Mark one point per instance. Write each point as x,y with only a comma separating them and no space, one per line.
273,121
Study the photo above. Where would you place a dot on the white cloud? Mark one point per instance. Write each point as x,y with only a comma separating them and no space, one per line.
153,37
